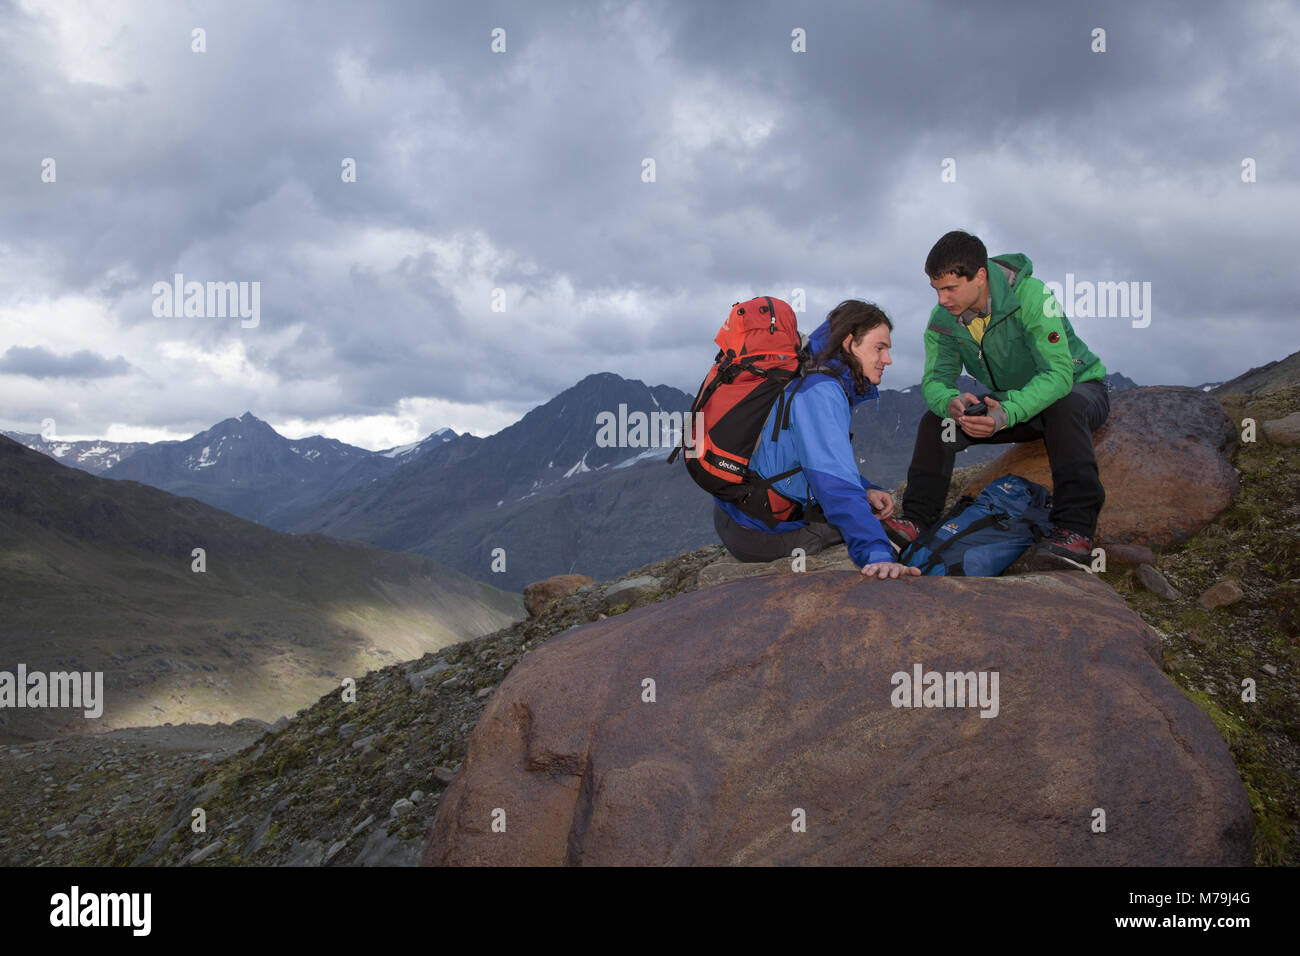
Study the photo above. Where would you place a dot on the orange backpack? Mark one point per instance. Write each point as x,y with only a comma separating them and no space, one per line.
760,351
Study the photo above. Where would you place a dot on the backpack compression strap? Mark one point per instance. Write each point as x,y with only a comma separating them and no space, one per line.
979,524
727,374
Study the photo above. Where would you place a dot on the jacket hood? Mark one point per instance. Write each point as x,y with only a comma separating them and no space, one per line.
1017,263
819,340
1005,272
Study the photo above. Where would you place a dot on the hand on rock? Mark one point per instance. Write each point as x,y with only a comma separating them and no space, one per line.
889,569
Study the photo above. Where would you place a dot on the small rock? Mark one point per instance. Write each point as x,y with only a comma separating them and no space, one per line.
310,853
1283,431
416,796
443,774
198,856
347,730
370,756
1128,554
382,850
483,692
401,808
630,591
363,742
334,849
541,593
1270,670
1223,594
361,826
59,829
259,837
1155,582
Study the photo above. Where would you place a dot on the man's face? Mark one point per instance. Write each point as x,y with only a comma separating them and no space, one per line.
957,294
872,353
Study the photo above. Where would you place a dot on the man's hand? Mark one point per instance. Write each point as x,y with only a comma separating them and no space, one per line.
959,403
888,569
882,503
982,426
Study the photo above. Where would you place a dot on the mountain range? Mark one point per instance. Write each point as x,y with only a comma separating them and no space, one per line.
549,494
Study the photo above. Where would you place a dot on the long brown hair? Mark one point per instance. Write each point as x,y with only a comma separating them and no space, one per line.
856,318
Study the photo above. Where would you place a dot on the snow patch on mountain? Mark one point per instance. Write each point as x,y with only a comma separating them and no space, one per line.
579,468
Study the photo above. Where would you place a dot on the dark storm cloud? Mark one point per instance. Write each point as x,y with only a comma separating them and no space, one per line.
40,362
522,171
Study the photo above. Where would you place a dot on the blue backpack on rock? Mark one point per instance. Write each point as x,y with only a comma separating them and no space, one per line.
983,536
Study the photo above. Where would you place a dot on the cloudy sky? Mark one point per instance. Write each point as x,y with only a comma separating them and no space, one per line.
135,148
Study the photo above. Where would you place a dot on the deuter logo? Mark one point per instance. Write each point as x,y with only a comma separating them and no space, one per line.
727,465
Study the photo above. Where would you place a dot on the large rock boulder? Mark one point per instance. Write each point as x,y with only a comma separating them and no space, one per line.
773,733
1162,455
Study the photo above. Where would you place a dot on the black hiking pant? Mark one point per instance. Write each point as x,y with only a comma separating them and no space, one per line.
1065,427
746,544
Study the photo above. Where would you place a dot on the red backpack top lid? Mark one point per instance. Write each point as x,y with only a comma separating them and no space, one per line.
760,326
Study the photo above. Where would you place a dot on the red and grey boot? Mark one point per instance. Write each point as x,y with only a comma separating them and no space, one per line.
901,531
1062,550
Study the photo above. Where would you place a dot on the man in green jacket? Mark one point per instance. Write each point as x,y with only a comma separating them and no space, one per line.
1009,332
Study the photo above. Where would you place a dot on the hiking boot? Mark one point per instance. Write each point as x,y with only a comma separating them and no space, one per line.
1061,551
901,531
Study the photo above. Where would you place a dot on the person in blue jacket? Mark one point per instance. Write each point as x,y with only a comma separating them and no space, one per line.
852,347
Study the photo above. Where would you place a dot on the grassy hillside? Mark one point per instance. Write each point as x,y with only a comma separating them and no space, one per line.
97,575
1209,653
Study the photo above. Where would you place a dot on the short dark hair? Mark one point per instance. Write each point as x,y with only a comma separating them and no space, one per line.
856,318
958,252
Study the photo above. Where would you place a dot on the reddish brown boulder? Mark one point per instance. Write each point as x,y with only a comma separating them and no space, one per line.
1162,455
541,593
773,704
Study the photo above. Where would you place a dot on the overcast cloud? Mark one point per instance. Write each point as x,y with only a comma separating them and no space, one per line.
522,171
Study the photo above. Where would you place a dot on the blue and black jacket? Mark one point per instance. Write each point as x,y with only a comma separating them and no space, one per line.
818,440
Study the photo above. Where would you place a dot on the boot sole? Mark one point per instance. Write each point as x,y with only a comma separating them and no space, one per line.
1044,560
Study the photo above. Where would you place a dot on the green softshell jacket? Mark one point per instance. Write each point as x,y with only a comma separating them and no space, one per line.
1029,356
